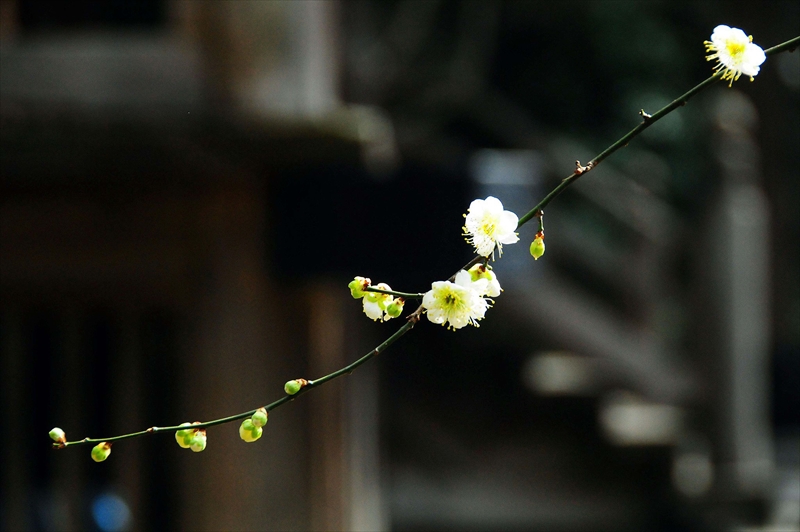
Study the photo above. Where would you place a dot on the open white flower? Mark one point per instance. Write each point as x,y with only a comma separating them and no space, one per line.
736,53
375,303
488,225
456,304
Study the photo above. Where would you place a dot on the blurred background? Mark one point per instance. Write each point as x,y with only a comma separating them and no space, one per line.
187,188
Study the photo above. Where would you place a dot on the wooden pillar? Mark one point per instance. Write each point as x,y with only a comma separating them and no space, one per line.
328,445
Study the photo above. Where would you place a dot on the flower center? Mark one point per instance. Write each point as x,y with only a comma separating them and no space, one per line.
489,226
735,49
452,301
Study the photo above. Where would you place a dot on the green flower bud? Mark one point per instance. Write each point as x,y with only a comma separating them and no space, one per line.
184,436
384,303
198,443
249,432
260,417
481,271
292,387
476,271
537,247
357,287
101,451
58,435
395,308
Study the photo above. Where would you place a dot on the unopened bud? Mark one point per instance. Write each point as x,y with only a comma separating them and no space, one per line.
198,443
537,246
478,271
184,436
292,387
357,287
101,451
58,435
260,417
395,308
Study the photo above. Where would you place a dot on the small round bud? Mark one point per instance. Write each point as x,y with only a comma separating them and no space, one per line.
58,435
292,387
101,451
357,287
249,432
260,417
198,443
537,247
184,436
395,308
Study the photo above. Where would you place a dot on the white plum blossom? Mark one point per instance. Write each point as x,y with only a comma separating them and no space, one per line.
484,271
736,53
458,303
488,225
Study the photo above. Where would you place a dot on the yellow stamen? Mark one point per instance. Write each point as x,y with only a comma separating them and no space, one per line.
734,48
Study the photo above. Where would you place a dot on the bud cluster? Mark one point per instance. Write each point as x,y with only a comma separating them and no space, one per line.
190,438
251,429
377,306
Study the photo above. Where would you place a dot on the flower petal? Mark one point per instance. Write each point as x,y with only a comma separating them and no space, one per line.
463,278
372,310
508,222
477,206
493,205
